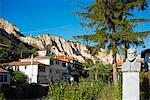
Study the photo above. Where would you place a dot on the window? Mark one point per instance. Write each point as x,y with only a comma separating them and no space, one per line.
64,64
41,69
1,78
57,62
51,62
5,78
50,70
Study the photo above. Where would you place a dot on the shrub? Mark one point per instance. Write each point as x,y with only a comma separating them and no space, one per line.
18,78
145,85
2,96
87,88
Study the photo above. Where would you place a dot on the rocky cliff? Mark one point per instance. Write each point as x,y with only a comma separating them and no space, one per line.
55,44
9,35
9,28
59,46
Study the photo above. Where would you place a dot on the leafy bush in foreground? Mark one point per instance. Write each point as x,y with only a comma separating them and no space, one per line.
88,88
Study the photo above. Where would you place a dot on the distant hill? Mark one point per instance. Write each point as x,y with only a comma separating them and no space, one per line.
11,36
10,28
11,47
11,41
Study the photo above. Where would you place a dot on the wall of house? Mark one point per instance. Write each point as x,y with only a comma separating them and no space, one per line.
44,74
44,61
42,53
2,80
31,71
58,70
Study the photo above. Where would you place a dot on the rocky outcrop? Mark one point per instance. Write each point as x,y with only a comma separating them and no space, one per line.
9,28
59,46
55,44
11,41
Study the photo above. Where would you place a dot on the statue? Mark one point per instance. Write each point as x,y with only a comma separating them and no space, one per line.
132,63
131,68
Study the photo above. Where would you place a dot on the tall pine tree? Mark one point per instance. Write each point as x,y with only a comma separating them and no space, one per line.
113,28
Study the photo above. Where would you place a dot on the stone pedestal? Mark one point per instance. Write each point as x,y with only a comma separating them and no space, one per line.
131,86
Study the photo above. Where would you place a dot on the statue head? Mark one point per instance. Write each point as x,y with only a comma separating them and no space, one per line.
131,54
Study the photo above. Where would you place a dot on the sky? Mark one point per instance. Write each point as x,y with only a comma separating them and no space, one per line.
53,17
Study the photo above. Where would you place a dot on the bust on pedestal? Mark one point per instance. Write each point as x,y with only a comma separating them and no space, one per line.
131,68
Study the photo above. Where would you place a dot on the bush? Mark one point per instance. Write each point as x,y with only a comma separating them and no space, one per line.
18,78
145,85
2,96
88,88
85,90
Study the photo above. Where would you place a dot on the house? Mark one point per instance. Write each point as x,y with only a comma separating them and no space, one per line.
37,72
146,55
42,68
4,77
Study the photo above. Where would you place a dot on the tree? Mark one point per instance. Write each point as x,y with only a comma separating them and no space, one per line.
2,96
87,88
18,77
113,28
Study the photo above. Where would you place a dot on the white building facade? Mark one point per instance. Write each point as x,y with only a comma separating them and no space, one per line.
43,69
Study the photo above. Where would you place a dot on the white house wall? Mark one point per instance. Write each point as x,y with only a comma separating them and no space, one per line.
44,61
31,71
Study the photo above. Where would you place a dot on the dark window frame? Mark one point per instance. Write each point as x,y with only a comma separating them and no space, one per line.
51,62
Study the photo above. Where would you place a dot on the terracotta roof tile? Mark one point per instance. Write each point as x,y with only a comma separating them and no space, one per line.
119,63
24,63
63,58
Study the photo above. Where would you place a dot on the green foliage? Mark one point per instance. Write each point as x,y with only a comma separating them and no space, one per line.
144,85
7,55
18,78
88,63
110,92
2,96
110,21
101,72
11,54
87,88
113,29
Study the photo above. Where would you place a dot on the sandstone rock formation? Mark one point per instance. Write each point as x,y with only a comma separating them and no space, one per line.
55,44
9,28
59,46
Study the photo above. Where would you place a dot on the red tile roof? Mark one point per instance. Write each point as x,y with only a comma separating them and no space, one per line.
119,63
63,58
24,63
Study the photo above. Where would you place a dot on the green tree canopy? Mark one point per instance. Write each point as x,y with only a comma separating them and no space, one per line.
18,77
113,29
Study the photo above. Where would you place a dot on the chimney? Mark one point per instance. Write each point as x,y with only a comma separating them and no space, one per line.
31,59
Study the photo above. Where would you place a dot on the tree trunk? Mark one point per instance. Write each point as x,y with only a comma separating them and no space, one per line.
115,79
126,46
